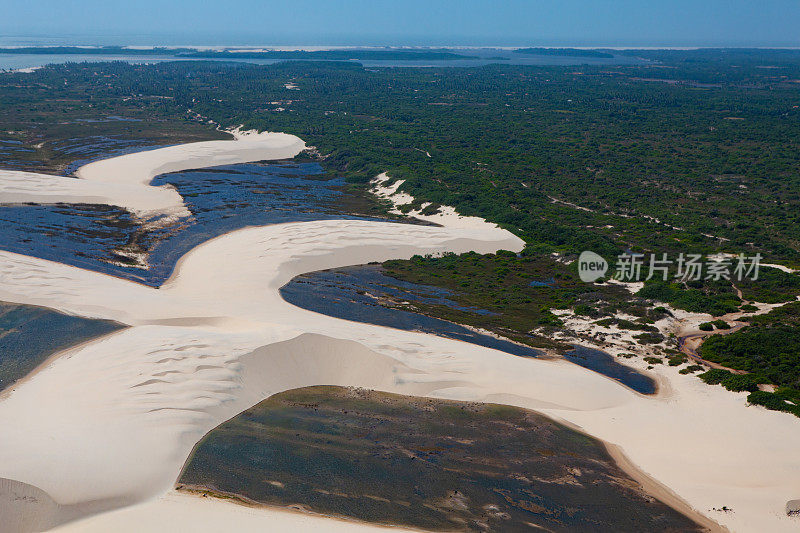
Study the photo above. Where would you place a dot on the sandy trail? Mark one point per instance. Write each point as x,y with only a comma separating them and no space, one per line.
691,337
111,423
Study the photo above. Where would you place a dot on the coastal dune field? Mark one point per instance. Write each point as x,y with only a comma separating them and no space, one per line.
108,426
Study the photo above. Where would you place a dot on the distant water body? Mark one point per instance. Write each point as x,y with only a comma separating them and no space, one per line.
483,56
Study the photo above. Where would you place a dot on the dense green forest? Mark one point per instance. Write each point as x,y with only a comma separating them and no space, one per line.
652,165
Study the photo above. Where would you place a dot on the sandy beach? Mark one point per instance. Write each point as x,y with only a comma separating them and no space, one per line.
110,424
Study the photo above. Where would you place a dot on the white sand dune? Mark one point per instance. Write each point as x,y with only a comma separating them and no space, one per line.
177,512
124,181
112,422
445,215
22,187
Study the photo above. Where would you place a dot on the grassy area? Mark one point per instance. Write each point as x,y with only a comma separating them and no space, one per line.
425,463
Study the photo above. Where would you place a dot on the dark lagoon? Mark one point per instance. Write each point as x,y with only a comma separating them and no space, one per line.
366,294
453,466
30,334
221,199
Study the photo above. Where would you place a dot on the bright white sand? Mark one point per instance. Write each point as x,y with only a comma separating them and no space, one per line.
780,267
177,512
113,421
124,181
383,187
21,187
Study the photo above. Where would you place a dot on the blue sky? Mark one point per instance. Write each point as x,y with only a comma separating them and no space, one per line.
421,22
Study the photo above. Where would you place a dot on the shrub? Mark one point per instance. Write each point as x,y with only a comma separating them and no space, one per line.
706,326
585,310
770,350
714,376
649,338
635,326
547,318
773,401
732,382
676,359
690,369
740,382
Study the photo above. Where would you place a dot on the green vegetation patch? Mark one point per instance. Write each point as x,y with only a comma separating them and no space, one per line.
784,399
731,381
690,369
76,112
676,358
697,297
769,347
772,286
520,293
709,326
769,350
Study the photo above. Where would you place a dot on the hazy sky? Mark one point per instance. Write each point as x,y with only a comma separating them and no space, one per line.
392,22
